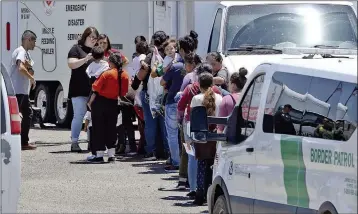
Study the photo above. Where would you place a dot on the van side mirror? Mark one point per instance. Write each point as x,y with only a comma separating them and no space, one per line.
199,126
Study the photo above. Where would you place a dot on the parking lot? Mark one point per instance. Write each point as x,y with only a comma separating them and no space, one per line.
57,181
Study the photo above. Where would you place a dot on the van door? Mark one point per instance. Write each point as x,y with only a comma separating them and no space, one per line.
8,30
214,41
241,159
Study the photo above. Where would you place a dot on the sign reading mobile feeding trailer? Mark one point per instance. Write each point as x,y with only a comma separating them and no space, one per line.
299,51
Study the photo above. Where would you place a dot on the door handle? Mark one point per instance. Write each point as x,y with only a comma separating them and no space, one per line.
249,149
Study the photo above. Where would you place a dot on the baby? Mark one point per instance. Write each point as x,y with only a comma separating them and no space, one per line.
170,48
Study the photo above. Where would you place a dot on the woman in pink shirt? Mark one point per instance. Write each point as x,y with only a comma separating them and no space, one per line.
237,83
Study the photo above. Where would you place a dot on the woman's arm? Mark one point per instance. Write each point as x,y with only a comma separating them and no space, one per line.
74,63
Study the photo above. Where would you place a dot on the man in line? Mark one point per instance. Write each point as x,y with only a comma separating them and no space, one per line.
22,75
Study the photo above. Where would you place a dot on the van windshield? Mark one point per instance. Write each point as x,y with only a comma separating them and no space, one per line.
291,25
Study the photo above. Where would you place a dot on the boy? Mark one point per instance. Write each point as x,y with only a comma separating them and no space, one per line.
98,66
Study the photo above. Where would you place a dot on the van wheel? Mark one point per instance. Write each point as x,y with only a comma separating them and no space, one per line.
220,206
327,208
63,109
44,101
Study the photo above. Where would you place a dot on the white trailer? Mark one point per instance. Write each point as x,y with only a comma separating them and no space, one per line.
224,26
59,24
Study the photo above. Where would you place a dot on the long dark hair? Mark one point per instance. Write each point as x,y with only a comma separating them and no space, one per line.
104,36
88,31
116,59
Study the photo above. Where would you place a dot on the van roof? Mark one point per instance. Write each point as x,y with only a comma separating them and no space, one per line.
242,3
344,69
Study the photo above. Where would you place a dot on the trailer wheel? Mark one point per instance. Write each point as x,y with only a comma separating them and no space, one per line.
63,109
44,101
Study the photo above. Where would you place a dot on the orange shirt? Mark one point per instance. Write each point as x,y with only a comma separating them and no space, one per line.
107,84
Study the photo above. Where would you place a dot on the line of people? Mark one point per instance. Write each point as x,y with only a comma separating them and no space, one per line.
168,78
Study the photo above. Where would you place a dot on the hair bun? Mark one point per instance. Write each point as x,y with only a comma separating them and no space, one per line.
243,72
193,34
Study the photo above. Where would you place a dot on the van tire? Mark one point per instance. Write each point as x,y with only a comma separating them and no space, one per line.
62,121
327,208
43,92
220,206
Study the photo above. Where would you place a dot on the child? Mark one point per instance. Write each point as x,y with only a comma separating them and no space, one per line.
88,129
125,127
98,66
142,49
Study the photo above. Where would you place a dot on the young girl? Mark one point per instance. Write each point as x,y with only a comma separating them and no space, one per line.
104,106
205,153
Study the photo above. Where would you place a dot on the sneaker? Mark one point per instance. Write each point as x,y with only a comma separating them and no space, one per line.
28,147
150,157
132,153
75,147
112,160
91,157
172,168
181,185
96,160
191,194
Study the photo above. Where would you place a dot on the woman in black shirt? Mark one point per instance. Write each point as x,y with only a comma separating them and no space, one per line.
79,57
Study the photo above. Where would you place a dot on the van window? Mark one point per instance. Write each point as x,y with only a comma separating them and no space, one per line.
215,32
249,107
292,25
311,106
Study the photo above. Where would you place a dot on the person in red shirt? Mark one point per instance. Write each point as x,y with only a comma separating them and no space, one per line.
104,42
111,85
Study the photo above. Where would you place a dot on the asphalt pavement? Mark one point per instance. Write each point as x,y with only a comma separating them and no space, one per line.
57,181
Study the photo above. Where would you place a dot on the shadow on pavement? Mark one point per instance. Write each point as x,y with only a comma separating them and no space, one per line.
186,204
176,198
173,178
152,167
84,162
69,152
44,144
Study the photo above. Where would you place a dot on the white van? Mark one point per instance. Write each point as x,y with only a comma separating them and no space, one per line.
10,150
290,144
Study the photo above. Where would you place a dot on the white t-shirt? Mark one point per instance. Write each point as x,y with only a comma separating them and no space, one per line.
89,118
198,101
20,82
97,68
167,60
136,63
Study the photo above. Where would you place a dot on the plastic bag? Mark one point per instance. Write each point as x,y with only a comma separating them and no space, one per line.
154,87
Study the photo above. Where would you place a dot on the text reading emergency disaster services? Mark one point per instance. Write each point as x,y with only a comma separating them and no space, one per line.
75,22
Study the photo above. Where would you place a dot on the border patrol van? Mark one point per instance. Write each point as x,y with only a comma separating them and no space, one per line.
290,144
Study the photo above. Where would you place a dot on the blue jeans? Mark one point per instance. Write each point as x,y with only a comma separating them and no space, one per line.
192,162
192,172
151,125
79,105
171,124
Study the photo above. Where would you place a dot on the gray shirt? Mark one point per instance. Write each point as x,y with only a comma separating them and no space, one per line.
20,82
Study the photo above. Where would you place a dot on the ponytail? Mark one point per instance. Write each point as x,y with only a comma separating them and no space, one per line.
209,102
116,59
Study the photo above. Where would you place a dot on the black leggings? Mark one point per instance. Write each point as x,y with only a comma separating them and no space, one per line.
104,119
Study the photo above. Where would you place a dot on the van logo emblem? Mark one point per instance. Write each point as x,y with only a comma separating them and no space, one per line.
49,5
231,168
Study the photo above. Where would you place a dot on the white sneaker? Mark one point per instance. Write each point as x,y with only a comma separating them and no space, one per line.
91,157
